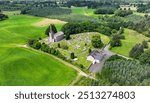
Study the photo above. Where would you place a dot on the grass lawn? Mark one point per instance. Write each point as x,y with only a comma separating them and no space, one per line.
77,45
132,37
21,66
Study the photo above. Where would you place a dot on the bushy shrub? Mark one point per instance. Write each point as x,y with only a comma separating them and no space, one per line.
96,41
105,10
123,13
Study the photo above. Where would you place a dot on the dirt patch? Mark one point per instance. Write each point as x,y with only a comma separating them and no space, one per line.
47,22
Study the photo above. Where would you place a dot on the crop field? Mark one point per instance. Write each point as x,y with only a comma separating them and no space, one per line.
80,44
131,38
23,66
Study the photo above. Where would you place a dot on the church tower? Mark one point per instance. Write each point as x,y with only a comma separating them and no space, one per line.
51,35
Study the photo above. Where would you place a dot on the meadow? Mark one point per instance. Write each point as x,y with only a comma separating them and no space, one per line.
23,66
131,38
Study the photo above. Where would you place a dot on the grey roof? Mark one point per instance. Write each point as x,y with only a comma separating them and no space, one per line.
97,55
59,34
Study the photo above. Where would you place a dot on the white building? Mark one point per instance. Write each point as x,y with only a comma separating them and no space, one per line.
96,57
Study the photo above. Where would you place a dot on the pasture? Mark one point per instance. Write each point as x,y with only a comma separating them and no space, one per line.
23,66
131,38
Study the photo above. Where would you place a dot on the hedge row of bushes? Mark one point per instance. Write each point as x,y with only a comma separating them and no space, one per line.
45,48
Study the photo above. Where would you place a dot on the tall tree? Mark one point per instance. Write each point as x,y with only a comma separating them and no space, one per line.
96,41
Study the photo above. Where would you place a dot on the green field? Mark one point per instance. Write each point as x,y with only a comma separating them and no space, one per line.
23,66
85,11
131,38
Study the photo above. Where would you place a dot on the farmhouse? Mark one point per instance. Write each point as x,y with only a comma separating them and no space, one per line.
96,57
55,37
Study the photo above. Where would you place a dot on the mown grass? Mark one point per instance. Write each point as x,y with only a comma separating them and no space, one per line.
22,66
131,38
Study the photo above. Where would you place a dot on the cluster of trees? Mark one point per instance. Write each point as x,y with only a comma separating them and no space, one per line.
113,22
51,27
105,10
45,11
145,57
91,4
124,73
75,28
140,24
123,13
105,26
143,7
96,41
136,51
117,37
19,5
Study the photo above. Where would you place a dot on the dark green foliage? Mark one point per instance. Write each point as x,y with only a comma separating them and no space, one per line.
113,22
67,36
145,57
123,13
143,7
96,41
76,18
81,65
37,45
115,57
46,11
116,40
75,28
72,56
145,44
124,73
45,48
58,45
47,31
34,43
3,17
90,50
51,27
64,46
92,4
104,30
136,51
139,23
105,10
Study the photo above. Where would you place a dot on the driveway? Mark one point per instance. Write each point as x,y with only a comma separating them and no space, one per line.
94,68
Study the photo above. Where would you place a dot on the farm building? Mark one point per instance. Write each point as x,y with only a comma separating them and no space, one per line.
96,57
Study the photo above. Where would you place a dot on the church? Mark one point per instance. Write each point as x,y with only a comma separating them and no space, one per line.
55,37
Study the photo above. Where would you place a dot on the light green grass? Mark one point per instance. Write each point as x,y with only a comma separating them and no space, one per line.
87,12
21,66
77,45
12,12
131,38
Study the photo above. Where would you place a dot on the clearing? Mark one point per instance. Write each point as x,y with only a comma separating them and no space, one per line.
131,38
47,22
